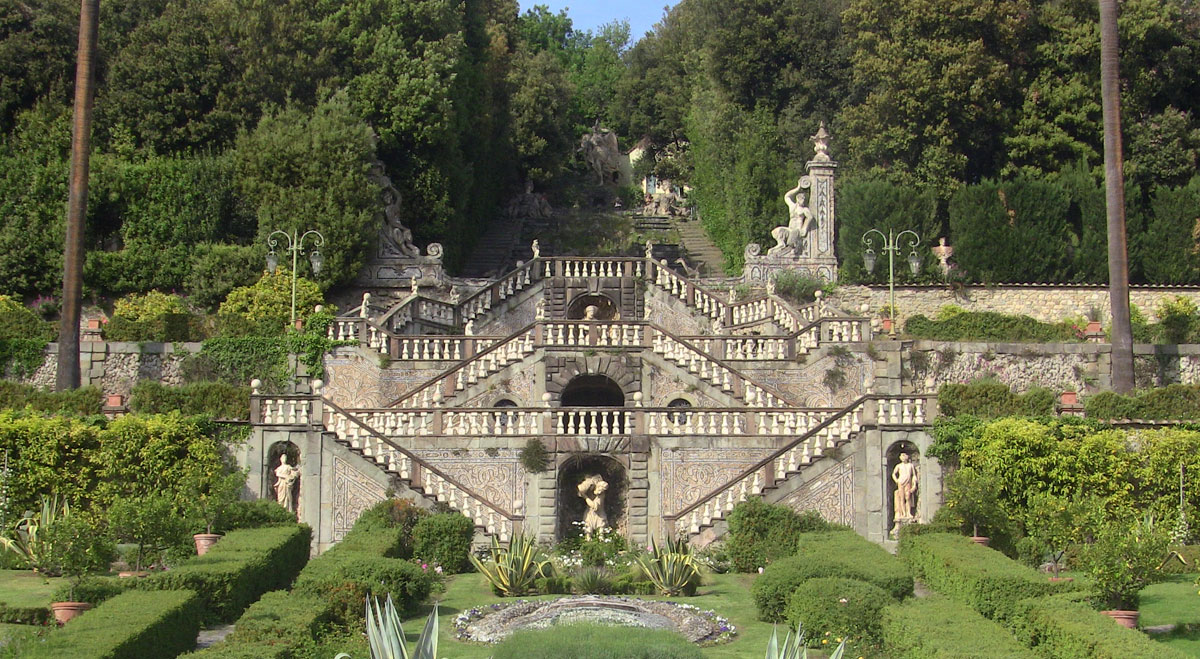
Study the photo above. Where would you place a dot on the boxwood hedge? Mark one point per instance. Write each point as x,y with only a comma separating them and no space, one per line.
132,625
1064,627
935,627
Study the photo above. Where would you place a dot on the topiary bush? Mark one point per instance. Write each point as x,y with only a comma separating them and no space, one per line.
761,533
589,641
132,625
832,608
444,539
345,578
772,589
878,566
152,316
267,304
1064,627
1172,402
394,519
84,401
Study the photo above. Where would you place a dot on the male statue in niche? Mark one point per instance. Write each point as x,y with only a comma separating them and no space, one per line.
592,489
285,476
905,476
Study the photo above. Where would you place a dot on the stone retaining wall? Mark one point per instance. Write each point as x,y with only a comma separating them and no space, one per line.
1048,303
116,366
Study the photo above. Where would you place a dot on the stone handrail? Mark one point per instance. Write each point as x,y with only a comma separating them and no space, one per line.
501,289
686,291
590,267
420,474
745,348
716,371
468,372
588,333
799,453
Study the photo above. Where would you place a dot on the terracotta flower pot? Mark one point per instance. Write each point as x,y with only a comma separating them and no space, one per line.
1062,579
115,400
93,323
1069,398
140,574
981,540
1125,618
65,611
205,541
1093,327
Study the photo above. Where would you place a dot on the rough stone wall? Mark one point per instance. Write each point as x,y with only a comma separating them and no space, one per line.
822,380
115,367
1046,303
672,315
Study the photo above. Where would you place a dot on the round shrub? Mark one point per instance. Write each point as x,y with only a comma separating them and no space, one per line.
777,583
399,514
444,539
833,607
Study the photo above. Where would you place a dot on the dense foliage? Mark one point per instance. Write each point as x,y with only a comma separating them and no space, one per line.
834,607
761,533
1173,402
989,399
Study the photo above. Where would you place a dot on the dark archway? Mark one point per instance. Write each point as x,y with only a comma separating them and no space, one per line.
606,309
571,506
592,391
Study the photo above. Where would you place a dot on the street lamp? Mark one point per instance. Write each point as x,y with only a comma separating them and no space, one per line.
295,245
891,245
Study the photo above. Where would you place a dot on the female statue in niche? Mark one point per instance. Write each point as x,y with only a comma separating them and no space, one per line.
285,476
591,489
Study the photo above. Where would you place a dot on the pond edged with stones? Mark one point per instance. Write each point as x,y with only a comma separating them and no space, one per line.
495,622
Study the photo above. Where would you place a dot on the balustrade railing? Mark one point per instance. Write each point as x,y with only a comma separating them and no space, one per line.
580,333
471,371
713,370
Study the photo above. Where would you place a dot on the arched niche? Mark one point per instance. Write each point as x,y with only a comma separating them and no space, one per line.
606,307
592,391
571,506
893,459
274,459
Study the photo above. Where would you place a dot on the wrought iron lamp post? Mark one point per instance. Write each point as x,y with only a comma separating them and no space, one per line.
892,245
295,245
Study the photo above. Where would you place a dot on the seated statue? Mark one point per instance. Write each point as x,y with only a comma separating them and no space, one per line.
791,240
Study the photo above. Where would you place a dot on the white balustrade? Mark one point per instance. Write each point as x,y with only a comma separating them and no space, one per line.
286,411
430,348
472,371
901,411
592,422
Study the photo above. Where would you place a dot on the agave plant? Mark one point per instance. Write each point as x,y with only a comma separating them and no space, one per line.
515,570
794,648
31,532
672,569
386,635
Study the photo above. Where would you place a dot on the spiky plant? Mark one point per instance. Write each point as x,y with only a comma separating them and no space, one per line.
515,570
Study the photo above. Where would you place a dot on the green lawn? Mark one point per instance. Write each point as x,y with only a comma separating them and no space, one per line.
727,594
1173,601
22,588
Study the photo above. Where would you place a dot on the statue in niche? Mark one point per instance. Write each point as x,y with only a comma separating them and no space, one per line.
905,476
285,476
589,312
395,238
943,252
592,489
792,239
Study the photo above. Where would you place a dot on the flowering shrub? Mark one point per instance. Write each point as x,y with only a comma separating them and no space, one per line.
833,609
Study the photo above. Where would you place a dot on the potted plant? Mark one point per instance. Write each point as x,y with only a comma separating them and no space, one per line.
209,502
77,546
1122,560
151,524
1093,322
29,537
973,497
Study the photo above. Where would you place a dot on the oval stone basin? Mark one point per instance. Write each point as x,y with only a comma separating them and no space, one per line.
493,623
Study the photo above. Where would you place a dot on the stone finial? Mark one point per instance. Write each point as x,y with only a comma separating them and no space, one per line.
415,285
317,385
770,286
455,296
540,310
469,330
732,296
255,384
546,399
650,249
821,144
637,399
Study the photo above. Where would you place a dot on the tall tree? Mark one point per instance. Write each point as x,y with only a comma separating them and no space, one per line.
1114,176
85,78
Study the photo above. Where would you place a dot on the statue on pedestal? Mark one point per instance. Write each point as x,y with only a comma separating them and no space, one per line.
791,240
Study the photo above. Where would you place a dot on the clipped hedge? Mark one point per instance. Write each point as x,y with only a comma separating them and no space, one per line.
25,615
989,399
274,626
845,546
216,399
935,627
982,578
1063,627
1173,402
839,608
839,553
133,625
163,328
584,641
241,567
346,578
83,401
990,326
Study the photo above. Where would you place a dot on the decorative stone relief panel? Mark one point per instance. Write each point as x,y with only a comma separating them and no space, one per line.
665,312
1022,370
664,389
831,494
688,474
510,321
518,387
354,382
353,492
808,384
493,473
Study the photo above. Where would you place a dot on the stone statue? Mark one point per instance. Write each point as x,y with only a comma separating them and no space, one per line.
601,153
469,330
366,301
589,312
771,286
416,285
650,249
591,489
732,296
395,238
455,296
285,476
905,476
717,326
943,252
791,240
537,249
539,312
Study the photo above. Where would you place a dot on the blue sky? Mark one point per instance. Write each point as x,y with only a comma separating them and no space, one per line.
591,14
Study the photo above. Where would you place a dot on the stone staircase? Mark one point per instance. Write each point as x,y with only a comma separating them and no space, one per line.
495,252
702,254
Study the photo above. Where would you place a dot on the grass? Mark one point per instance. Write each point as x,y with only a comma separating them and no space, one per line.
727,594
1173,601
22,588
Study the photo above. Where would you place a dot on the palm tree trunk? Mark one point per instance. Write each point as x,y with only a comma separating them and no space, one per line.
1114,186
85,78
